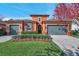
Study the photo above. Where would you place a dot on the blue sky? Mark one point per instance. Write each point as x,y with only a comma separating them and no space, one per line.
24,10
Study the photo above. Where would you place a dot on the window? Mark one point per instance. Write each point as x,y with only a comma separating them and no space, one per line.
29,26
39,19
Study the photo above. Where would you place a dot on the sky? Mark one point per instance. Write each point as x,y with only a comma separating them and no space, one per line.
24,10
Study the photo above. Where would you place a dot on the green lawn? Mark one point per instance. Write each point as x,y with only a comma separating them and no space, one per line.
29,49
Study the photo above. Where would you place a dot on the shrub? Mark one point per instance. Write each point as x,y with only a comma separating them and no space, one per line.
31,36
2,32
75,32
29,32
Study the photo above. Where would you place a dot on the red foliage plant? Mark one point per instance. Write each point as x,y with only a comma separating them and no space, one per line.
67,11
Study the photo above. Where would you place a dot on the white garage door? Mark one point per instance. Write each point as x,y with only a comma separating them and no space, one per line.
57,30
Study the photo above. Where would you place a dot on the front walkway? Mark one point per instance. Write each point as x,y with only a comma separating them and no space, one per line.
66,42
5,38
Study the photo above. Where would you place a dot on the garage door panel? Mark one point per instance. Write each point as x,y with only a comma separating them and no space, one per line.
57,30
14,29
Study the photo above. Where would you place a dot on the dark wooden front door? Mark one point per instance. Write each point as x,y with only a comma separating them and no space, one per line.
39,29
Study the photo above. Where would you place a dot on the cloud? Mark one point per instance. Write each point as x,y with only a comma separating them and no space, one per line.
5,19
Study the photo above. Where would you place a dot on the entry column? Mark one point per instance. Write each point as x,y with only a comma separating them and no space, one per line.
69,30
23,24
44,27
34,26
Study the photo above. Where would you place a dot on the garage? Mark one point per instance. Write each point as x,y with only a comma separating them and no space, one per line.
14,29
57,30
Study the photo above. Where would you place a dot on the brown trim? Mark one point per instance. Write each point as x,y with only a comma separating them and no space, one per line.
59,22
39,15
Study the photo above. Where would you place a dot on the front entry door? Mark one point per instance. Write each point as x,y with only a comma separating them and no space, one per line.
39,29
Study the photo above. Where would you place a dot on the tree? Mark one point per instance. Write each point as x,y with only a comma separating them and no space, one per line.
66,11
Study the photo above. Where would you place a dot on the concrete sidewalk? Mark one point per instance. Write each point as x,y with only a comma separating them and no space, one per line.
5,38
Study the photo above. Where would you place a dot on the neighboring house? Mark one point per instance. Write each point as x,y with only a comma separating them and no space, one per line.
39,23
2,28
75,25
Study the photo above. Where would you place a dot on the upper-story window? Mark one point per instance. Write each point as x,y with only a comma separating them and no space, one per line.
39,19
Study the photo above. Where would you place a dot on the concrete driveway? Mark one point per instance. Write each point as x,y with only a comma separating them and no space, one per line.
66,42
5,38
69,44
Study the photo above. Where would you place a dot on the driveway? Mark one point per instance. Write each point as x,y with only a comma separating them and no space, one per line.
66,42
5,38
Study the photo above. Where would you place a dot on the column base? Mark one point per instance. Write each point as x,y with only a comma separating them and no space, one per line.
69,33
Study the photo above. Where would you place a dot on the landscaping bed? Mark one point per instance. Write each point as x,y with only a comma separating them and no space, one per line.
30,48
32,37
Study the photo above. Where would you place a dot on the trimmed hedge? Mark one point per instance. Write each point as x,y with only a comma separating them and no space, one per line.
29,32
2,32
32,37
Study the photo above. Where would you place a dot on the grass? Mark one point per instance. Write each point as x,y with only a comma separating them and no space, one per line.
29,49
